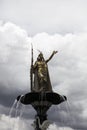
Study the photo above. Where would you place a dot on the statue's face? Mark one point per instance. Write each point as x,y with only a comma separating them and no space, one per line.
40,57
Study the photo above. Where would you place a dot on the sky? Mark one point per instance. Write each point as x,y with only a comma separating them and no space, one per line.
49,25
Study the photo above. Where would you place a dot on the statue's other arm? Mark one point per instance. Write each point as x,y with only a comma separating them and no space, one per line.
53,53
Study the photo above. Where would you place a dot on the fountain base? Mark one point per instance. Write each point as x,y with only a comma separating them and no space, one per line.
41,102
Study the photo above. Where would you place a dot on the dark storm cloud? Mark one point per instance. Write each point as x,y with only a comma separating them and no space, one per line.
7,95
68,115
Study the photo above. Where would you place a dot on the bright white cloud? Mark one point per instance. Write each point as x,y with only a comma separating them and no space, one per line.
14,42
8,123
55,127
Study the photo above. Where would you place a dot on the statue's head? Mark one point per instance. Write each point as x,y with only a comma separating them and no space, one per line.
40,57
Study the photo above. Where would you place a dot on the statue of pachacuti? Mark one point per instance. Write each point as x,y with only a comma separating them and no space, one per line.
41,96
41,74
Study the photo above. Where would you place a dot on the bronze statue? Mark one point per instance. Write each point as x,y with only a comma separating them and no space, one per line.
41,74
41,96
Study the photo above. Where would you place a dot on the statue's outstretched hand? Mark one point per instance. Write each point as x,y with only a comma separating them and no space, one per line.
54,52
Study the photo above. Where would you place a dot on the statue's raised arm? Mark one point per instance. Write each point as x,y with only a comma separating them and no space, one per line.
53,53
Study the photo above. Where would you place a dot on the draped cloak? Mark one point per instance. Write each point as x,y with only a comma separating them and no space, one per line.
41,83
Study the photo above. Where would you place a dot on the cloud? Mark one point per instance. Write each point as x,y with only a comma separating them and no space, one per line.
8,123
67,68
55,127
46,16
14,44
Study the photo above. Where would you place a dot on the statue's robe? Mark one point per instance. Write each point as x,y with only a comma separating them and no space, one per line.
42,84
